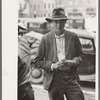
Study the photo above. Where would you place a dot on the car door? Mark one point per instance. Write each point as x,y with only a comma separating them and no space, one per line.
87,67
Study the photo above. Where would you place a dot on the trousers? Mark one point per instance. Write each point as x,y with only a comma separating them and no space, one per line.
72,91
25,92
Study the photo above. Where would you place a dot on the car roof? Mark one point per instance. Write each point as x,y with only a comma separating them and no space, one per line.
35,20
82,33
36,35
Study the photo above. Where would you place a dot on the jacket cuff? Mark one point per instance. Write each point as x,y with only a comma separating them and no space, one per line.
77,60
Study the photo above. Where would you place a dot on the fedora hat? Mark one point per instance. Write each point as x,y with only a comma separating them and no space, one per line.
37,76
22,25
57,14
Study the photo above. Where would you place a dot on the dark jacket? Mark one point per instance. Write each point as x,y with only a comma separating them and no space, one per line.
47,54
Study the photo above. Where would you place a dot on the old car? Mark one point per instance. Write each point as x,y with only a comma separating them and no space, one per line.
76,23
38,24
86,69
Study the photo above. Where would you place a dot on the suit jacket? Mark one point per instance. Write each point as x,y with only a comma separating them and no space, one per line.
47,54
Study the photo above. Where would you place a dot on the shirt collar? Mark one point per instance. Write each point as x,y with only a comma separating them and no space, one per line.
60,36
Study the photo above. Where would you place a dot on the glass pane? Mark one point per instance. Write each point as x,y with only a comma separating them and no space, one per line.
87,44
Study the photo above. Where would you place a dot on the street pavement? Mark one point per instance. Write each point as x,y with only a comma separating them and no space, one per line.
41,94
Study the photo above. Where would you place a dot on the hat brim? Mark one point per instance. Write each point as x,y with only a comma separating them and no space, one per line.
23,28
54,19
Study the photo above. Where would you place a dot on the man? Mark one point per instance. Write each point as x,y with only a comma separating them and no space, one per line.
59,54
25,91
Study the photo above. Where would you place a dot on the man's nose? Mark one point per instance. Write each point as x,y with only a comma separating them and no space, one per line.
58,24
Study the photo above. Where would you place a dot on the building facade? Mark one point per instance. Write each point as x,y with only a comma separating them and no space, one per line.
43,8
83,6
48,5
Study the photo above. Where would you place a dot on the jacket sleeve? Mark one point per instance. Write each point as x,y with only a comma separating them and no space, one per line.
39,60
79,54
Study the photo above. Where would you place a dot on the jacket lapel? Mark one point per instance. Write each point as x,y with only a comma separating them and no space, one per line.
54,47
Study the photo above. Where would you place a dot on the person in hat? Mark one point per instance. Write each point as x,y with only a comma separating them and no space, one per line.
22,28
25,90
59,54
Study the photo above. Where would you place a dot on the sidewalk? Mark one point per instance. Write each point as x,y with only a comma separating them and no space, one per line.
41,94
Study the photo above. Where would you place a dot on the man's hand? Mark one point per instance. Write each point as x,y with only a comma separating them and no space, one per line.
57,65
69,63
64,65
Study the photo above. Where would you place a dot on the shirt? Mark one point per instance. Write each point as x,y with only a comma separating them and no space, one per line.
62,78
24,68
60,42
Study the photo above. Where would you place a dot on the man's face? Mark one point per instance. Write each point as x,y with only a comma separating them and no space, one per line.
58,25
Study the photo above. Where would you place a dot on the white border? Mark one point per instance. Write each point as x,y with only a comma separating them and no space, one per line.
9,49
97,44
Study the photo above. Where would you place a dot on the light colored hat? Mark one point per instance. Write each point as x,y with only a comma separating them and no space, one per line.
22,25
57,14
37,76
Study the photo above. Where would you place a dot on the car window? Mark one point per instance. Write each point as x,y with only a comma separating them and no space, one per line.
34,25
87,44
79,21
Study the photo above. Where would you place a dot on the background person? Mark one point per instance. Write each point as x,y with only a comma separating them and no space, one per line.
22,28
25,91
59,54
